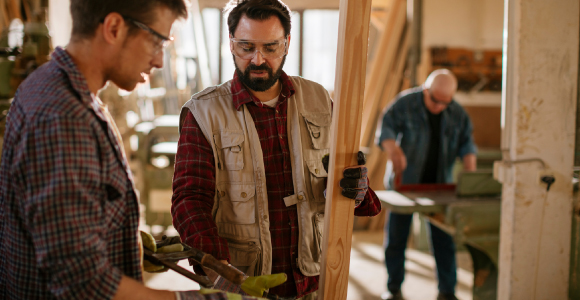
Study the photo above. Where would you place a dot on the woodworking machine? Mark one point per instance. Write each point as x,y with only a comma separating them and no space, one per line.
469,211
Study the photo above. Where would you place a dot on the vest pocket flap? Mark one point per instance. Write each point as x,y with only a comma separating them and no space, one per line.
229,148
236,204
316,168
318,120
318,126
241,193
230,139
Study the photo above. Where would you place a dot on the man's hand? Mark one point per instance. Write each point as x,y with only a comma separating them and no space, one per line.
355,182
396,155
149,242
256,285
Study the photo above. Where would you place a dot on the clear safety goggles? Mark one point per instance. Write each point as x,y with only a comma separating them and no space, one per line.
247,49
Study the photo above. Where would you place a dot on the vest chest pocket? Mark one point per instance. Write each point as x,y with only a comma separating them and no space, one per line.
229,144
319,129
237,204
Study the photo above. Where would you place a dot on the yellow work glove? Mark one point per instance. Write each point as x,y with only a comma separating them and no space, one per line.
256,285
149,243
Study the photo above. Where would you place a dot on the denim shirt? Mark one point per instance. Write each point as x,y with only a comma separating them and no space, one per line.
406,119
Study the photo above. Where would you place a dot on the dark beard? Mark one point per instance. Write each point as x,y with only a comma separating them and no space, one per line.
259,84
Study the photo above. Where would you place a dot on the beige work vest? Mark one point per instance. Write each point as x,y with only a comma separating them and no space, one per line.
241,202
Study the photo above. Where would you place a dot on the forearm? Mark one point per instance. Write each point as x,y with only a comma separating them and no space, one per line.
389,146
131,289
469,162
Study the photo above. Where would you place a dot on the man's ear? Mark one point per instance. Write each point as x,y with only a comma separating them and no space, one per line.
114,28
289,37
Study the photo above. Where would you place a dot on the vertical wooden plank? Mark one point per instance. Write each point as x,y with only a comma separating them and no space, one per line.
349,90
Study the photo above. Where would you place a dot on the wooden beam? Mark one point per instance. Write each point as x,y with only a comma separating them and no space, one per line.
377,159
382,64
5,22
347,115
14,9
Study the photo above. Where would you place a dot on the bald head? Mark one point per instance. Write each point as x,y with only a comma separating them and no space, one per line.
439,89
443,81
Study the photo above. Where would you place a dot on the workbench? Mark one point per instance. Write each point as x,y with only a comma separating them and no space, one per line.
472,221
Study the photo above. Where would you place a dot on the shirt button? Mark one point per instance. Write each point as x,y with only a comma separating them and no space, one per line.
265,217
316,171
222,193
244,195
300,197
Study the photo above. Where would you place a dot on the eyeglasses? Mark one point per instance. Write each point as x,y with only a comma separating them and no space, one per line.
436,101
247,49
159,41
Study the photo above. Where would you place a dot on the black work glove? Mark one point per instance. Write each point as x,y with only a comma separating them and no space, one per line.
355,183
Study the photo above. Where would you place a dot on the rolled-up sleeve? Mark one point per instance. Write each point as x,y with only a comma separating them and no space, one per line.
370,206
194,191
466,143
64,209
388,126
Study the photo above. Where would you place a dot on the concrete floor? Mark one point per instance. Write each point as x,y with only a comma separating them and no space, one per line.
367,278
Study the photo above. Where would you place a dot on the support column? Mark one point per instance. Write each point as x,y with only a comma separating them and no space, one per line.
541,49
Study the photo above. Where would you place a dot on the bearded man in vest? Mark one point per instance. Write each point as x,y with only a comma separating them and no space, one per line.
249,180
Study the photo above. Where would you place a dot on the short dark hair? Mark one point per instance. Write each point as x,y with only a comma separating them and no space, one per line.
87,14
257,10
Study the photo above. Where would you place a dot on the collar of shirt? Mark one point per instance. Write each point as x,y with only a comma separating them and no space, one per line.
242,96
78,82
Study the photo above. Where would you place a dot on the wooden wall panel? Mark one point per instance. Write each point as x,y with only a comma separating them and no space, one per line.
486,125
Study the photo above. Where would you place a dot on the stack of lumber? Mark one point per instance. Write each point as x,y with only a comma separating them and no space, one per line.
384,82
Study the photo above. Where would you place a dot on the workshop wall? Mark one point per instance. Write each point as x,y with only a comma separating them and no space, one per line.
474,27
463,24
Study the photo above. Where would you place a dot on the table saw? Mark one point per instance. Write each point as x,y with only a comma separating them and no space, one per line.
469,211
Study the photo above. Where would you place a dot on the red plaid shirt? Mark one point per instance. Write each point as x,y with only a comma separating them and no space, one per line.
194,189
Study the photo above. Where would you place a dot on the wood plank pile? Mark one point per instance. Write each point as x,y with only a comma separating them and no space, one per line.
384,82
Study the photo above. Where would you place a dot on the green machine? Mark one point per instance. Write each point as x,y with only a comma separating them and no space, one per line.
470,211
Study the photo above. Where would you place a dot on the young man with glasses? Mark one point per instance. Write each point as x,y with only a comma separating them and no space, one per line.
423,132
249,179
68,208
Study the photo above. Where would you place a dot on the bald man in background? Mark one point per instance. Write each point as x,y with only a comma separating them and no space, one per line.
423,132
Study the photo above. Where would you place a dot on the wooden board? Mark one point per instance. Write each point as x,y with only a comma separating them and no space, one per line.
350,81
377,159
381,65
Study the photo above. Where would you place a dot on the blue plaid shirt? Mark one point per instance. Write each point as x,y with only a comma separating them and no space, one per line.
68,211
407,118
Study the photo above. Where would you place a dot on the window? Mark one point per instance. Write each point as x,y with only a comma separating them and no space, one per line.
316,48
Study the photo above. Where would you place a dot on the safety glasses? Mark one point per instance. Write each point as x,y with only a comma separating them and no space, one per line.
247,49
160,41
